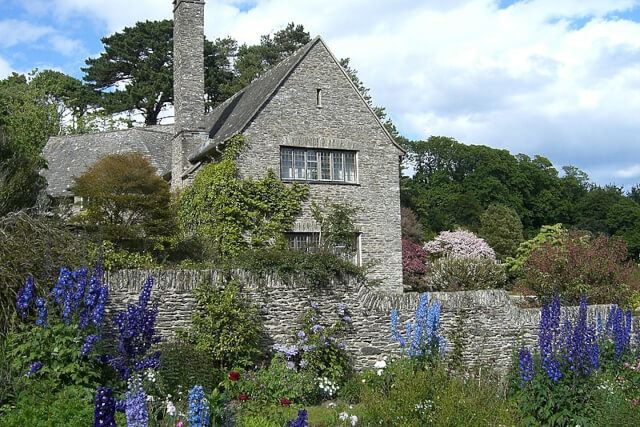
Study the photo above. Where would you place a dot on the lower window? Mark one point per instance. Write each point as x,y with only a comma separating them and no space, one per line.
310,242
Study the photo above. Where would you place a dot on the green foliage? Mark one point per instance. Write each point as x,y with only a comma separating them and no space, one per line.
58,349
411,228
119,259
569,401
43,404
318,269
126,201
27,120
35,245
465,273
579,265
183,365
337,230
225,325
327,359
141,58
267,385
231,214
551,234
407,395
501,228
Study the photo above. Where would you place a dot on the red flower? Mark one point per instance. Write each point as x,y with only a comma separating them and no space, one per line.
234,376
285,401
243,397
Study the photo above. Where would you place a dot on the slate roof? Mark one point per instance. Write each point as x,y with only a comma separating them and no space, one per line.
233,115
70,155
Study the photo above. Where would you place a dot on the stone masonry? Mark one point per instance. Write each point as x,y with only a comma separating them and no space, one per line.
491,325
345,122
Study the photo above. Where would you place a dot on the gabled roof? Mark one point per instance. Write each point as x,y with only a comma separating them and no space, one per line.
234,115
70,155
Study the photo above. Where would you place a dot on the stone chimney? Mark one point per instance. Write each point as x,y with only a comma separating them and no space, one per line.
188,84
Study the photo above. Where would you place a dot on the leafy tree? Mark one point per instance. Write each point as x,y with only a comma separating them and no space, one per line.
579,265
27,120
233,214
413,265
126,200
140,58
218,71
550,234
72,98
411,228
623,219
501,228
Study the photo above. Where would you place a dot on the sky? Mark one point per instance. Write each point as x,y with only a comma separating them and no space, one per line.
557,78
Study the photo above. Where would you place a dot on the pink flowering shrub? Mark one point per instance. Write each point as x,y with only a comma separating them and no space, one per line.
459,243
413,264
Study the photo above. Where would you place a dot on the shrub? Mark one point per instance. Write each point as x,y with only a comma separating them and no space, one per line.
316,269
183,365
463,273
225,325
413,265
459,243
411,229
127,201
549,234
234,214
579,265
44,404
501,228
33,245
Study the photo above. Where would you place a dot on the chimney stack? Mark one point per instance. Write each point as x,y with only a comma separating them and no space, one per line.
188,83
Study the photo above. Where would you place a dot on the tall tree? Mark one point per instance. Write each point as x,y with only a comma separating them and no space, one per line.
26,122
72,98
135,71
218,71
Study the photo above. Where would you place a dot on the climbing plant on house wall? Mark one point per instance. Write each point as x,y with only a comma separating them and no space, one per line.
232,214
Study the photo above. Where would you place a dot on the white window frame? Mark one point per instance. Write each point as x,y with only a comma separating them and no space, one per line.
290,170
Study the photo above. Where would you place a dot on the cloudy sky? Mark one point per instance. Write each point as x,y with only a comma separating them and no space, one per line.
559,78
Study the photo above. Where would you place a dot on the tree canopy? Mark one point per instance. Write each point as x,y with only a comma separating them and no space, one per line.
126,200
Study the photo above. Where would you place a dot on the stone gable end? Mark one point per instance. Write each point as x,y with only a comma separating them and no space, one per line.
292,117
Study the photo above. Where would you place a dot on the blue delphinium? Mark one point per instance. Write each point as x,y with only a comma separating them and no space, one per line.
619,330
422,334
34,368
136,408
301,421
105,409
527,370
88,345
41,304
136,335
549,328
198,408
25,296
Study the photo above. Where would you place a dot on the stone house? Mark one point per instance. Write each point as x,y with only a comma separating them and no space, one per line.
304,119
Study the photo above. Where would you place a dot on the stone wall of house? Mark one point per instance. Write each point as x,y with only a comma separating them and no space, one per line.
491,326
342,121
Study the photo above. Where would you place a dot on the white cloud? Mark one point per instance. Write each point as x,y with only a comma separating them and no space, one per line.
5,68
549,77
65,45
13,32
630,172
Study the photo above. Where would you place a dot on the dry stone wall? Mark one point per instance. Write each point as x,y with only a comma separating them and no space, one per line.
491,324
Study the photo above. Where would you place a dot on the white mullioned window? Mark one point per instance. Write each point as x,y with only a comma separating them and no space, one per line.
310,164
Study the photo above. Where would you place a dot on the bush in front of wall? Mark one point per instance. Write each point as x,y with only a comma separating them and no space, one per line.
466,273
225,325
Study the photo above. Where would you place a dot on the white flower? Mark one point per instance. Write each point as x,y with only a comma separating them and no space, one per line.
379,372
354,420
384,358
331,405
380,364
171,409
149,398
364,381
343,416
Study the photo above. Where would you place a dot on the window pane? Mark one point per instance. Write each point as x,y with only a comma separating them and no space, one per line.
325,165
350,167
298,164
286,163
312,164
337,167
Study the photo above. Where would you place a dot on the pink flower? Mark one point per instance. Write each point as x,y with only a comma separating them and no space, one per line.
180,424
626,365
635,401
